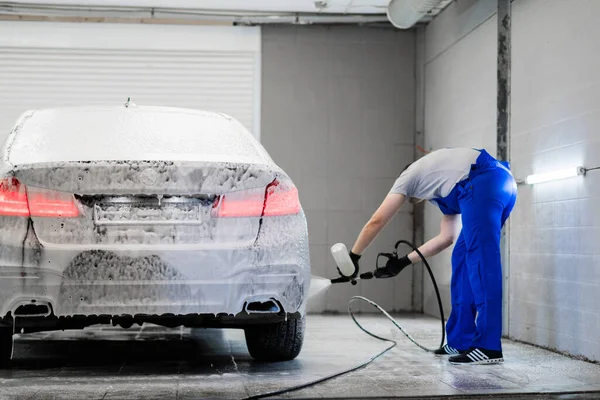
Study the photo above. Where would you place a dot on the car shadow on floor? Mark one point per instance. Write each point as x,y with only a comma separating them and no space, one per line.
159,351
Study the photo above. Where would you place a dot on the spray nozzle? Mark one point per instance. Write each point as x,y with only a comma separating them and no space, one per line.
393,266
349,272
344,279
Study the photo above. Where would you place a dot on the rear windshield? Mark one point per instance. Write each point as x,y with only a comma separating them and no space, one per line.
96,134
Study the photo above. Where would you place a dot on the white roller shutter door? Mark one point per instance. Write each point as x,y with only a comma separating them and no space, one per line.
47,64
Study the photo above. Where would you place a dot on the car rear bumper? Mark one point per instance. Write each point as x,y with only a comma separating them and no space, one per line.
52,322
129,279
156,283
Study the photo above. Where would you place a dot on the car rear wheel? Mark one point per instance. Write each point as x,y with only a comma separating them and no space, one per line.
276,342
6,344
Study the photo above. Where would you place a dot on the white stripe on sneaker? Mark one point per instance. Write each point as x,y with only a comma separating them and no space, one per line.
449,350
481,354
473,357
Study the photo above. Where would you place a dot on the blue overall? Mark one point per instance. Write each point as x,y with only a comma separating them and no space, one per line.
484,199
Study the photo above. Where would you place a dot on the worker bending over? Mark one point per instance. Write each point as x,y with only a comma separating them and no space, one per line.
473,184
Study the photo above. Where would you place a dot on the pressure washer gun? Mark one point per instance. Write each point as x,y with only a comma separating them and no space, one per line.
349,273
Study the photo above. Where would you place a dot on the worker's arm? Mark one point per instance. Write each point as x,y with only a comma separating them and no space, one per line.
445,239
386,211
432,247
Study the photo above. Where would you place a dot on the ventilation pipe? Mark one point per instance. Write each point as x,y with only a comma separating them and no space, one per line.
71,12
404,14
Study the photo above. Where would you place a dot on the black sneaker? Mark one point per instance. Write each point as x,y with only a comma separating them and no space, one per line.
447,351
475,356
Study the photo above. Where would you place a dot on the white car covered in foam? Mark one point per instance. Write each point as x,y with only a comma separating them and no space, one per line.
128,215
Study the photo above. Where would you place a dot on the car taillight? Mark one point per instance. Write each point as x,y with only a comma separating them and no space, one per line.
276,201
17,201
240,204
281,200
13,198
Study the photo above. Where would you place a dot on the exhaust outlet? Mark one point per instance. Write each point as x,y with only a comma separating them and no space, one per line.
262,307
33,309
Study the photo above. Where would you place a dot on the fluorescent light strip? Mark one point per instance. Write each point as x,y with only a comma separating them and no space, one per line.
555,175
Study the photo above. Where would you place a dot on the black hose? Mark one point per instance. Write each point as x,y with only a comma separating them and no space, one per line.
393,342
437,294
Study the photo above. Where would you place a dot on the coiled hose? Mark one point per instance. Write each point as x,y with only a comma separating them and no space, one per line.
389,317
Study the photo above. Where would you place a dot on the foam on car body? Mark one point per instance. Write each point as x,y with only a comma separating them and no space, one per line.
88,269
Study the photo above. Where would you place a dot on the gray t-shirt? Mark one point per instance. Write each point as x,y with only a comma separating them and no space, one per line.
435,175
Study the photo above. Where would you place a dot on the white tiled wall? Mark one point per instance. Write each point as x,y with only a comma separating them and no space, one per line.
555,229
460,102
338,116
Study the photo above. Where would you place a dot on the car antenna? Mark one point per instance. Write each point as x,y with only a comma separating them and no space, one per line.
129,103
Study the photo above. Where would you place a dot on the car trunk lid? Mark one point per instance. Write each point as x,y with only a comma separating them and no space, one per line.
149,202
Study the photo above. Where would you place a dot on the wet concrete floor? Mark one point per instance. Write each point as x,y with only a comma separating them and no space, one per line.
160,363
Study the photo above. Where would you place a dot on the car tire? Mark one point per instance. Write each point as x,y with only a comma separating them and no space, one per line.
6,344
276,342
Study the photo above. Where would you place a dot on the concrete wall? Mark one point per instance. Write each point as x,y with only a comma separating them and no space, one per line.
555,230
338,116
460,102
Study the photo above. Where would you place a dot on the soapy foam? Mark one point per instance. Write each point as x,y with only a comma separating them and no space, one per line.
85,268
141,133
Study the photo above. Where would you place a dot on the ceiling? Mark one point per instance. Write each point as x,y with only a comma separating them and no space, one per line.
251,10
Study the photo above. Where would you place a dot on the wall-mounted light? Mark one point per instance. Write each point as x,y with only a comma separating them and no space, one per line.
555,175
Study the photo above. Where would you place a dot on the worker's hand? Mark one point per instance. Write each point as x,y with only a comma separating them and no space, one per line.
355,258
392,267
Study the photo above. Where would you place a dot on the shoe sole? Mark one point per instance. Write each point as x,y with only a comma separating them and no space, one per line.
482,362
